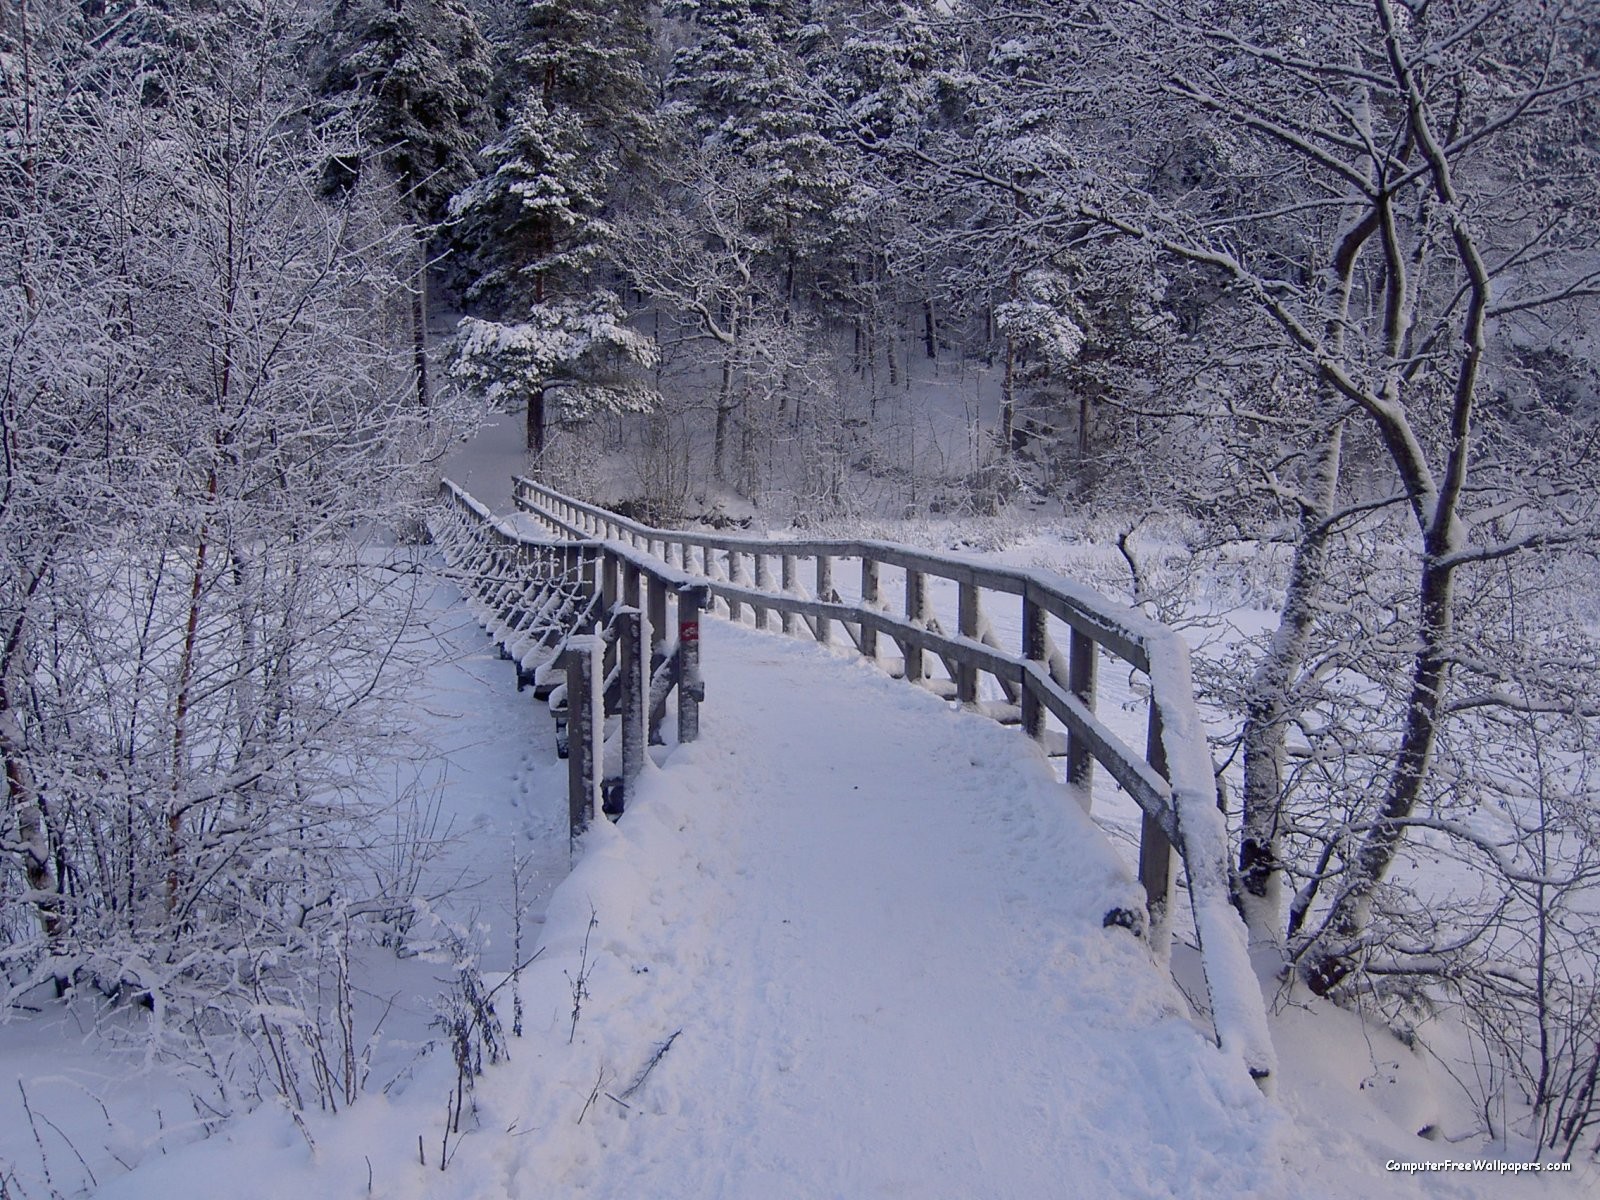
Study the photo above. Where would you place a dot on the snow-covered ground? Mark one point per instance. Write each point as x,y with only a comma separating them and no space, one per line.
105,1114
849,944
867,929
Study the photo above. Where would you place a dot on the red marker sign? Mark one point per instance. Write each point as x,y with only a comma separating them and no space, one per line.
689,631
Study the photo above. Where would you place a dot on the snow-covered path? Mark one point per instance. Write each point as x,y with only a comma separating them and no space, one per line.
878,925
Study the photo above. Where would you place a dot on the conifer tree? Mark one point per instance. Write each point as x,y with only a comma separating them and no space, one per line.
419,71
536,224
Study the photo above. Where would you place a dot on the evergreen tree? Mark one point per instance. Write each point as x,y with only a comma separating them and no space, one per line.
536,224
744,85
419,72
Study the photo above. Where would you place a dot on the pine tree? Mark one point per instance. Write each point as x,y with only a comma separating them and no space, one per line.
744,85
419,72
535,225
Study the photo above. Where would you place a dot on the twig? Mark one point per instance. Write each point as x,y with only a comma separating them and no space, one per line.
661,1052
44,1157
599,1082
580,985
62,1135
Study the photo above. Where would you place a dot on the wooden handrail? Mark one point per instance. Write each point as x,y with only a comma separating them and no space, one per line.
1171,780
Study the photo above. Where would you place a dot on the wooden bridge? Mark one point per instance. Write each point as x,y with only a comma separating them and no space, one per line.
602,614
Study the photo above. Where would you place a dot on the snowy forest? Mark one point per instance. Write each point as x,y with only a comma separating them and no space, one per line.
1290,309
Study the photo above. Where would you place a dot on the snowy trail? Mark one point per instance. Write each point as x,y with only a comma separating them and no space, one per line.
878,925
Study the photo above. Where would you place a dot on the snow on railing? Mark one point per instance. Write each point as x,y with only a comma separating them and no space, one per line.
1171,781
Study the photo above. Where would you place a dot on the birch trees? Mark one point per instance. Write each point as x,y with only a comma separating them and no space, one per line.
204,394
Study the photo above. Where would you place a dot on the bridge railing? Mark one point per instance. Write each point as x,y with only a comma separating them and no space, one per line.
620,630
1014,671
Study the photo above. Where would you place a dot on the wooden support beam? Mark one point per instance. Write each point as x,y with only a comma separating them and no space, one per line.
824,626
968,622
1035,648
1155,849
1082,667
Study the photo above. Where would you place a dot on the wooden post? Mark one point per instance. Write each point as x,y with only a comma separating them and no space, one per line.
825,596
585,728
763,584
691,689
1155,851
656,611
630,584
635,676
609,565
789,588
735,574
966,672
916,614
1082,657
1035,648
869,599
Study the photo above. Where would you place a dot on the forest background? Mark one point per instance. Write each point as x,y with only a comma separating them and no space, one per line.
1302,296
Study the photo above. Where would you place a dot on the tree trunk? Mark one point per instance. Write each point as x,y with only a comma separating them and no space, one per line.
719,440
1327,960
419,322
1268,708
535,421
27,802
1008,403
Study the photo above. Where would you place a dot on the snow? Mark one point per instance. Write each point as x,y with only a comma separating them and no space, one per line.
868,929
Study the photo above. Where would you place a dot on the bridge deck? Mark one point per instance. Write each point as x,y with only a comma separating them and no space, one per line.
878,925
